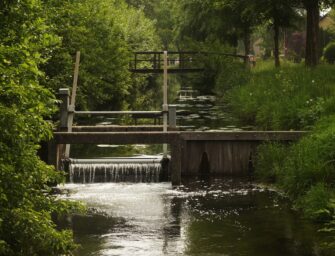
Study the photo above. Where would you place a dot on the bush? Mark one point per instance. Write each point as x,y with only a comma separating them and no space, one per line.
329,53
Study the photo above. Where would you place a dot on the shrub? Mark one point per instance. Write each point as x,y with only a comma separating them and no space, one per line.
329,53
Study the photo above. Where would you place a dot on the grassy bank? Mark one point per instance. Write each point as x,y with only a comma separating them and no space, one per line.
294,98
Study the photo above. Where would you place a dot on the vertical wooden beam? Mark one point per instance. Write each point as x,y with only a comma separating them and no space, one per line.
165,100
73,100
56,152
75,79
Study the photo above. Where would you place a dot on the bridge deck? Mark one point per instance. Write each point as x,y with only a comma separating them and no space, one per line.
156,137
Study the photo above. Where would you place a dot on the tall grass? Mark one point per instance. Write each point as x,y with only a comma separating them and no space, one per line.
291,97
305,170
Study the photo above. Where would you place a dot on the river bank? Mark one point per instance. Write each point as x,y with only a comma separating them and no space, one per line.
294,98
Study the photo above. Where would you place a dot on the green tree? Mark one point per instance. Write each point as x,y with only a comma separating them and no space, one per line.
281,14
86,26
106,32
26,204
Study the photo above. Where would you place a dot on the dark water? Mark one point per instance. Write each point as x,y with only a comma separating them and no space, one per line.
218,217
202,113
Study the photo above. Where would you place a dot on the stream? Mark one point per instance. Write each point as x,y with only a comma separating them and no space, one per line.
210,217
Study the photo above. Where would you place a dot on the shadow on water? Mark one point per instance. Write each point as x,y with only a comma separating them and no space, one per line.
208,217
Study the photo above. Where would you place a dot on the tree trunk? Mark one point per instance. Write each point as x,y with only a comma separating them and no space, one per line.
312,30
276,41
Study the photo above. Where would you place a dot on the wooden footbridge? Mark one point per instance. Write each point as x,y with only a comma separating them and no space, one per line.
192,153
178,61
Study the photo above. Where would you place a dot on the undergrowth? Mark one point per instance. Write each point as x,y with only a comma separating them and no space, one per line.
293,97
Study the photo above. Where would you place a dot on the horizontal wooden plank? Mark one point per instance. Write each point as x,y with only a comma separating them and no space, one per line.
116,138
118,128
143,113
168,137
244,136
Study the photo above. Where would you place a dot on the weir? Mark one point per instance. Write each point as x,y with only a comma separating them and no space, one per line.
124,169
192,153
228,153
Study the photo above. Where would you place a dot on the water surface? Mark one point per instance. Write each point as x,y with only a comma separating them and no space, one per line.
205,218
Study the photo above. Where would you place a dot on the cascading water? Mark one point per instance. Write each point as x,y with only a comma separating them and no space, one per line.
115,170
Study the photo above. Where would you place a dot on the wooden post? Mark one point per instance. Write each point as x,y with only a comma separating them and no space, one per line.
172,116
56,152
165,100
73,101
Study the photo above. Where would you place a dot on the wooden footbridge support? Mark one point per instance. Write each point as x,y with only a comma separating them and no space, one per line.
220,153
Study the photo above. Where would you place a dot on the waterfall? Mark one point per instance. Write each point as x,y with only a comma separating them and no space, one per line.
115,170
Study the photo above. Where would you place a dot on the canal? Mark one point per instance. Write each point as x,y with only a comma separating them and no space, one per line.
204,217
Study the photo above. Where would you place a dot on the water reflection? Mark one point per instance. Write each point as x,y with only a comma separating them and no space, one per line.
218,217
203,114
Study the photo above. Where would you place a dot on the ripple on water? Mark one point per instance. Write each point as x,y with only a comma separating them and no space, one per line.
214,217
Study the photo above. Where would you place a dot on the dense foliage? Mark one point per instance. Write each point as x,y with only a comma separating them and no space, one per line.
106,32
26,204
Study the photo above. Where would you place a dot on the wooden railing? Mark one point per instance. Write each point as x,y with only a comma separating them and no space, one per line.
178,61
